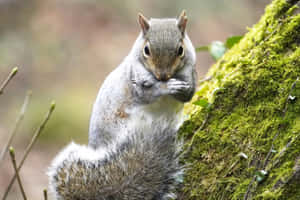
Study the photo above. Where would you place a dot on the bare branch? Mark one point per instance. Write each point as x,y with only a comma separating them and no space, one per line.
45,194
6,81
13,160
30,145
17,124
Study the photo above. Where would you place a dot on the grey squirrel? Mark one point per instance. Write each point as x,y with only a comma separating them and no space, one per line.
133,152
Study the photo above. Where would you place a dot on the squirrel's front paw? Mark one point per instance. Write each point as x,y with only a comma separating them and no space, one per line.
143,84
147,84
176,86
146,91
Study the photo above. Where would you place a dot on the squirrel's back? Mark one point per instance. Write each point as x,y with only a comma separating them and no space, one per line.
141,167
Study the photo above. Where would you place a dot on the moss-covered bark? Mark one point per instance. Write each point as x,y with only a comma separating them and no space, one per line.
253,122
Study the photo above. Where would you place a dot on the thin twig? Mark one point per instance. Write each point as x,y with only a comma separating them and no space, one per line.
189,148
45,194
6,81
204,122
29,146
247,194
282,152
205,79
13,160
17,124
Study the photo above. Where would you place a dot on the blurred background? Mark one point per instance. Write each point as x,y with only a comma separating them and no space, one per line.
65,48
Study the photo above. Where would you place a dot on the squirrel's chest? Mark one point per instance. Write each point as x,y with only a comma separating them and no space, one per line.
165,112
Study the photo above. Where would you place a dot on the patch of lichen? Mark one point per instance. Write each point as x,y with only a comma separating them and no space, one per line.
250,111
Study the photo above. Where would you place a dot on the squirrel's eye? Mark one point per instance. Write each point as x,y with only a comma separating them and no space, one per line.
180,52
146,51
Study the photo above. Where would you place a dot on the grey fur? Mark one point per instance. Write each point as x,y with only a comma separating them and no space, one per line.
132,152
164,38
141,167
132,91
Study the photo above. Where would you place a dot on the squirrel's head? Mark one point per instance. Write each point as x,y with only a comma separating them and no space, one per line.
163,48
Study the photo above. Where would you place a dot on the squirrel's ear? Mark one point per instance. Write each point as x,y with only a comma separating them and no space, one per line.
144,23
181,22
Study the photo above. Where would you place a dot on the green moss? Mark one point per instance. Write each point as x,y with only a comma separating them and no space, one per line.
249,112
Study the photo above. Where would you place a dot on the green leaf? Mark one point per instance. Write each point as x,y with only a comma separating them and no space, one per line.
217,49
231,41
202,102
202,48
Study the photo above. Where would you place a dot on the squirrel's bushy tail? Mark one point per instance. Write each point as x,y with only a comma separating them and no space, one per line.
143,167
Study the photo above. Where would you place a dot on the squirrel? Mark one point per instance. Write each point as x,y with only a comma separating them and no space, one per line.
133,152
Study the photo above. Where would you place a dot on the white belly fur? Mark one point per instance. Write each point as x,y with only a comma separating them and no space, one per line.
165,113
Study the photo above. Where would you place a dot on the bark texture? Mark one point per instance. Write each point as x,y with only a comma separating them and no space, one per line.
246,143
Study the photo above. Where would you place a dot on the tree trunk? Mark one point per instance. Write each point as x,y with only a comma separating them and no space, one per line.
245,144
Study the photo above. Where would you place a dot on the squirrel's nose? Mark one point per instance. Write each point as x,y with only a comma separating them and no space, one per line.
162,76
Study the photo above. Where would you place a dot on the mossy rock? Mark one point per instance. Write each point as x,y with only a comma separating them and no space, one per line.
246,143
